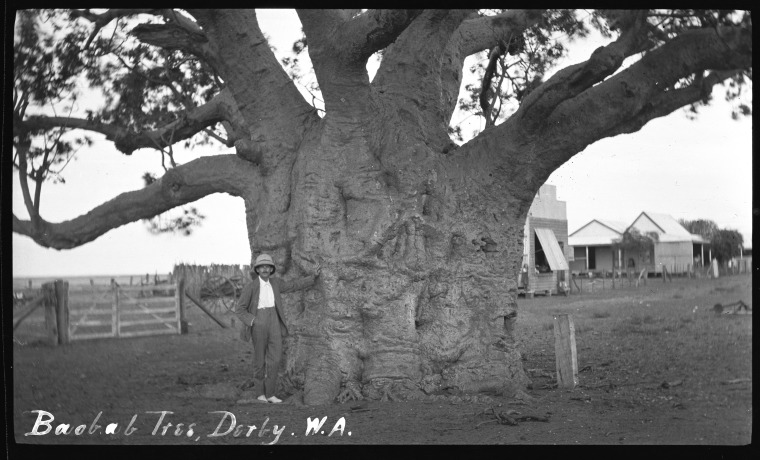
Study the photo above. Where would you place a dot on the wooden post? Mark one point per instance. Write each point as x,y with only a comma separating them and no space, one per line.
565,351
62,310
115,322
179,293
51,323
130,281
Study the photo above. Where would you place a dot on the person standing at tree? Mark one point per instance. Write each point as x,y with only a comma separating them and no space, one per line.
261,310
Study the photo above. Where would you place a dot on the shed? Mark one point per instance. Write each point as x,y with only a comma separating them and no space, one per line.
675,248
592,246
545,245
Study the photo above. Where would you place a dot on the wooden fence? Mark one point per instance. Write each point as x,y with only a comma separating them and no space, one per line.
97,311
124,311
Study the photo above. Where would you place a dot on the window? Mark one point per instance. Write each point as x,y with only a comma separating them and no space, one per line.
542,263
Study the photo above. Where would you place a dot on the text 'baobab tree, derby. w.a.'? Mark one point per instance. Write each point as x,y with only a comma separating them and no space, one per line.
418,239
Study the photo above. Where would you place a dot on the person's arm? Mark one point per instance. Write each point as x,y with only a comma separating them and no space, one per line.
297,284
241,307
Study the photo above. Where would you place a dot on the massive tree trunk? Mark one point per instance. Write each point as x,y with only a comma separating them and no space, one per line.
419,241
419,253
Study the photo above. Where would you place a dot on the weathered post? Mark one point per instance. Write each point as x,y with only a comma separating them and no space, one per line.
115,321
565,351
179,293
51,323
62,310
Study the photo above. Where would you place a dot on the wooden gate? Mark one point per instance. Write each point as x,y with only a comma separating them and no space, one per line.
128,311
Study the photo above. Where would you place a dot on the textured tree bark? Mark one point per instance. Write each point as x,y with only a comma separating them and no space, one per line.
418,256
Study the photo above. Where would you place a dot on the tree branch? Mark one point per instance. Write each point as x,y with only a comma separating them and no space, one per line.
276,115
372,31
620,104
669,101
478,34
180,36
411,71
103,19
181,185
573,80
645,83
220,108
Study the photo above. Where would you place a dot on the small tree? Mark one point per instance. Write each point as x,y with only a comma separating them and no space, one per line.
702,227
633,241
726,244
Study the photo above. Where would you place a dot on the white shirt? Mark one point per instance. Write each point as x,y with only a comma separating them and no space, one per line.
266,295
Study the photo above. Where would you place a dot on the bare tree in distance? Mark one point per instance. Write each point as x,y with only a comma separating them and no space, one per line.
419,239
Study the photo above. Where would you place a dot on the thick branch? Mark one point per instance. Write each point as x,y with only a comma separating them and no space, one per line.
573,80
175,35
339,48
478,34
372,31
622,103
220,108
181,185
411,70
23,149
103,19
669,101
644,84
274,111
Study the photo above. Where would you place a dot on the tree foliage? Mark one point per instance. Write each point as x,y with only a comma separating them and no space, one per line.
726,244
154,68
635,241
702,227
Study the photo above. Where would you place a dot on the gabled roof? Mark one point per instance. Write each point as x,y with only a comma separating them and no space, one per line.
610,230
670,229
618,227
614,224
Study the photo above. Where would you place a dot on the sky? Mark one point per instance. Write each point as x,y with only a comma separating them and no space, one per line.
690,169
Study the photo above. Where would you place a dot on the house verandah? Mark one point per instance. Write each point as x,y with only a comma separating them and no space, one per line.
673,248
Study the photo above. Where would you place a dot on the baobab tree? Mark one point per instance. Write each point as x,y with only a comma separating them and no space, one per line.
419,238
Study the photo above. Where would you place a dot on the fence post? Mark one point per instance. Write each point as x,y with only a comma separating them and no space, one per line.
62,310
115,322
565,351
51,323
180,294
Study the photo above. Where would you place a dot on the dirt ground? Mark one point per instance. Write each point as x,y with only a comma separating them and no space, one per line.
657,366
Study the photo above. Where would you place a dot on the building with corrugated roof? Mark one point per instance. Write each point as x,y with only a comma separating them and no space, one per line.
673,246
545,245
592,246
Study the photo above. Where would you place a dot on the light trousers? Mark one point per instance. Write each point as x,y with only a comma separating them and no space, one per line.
267,351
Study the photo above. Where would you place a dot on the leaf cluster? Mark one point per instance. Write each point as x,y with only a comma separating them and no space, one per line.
633,240
726,244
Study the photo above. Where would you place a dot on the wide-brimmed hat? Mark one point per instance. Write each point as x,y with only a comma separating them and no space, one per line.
264,259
